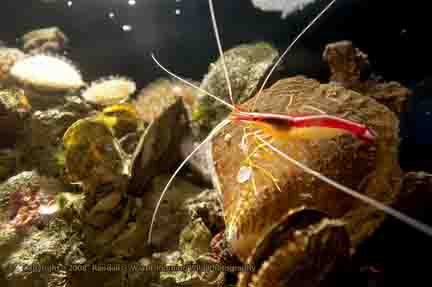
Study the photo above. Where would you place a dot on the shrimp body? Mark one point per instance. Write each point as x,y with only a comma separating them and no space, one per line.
358,130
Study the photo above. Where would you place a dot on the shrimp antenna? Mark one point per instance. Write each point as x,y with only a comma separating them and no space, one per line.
219,44
190,84
289,49
426,229
209,137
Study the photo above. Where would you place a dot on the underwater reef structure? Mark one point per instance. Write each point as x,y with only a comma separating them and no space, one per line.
82,169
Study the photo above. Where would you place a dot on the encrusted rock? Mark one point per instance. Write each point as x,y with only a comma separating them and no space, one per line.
391,94
346,63
199,163
8,57
247,65
27,200
14,114
45,40
207,205
42,144
347,66
35,231
172,216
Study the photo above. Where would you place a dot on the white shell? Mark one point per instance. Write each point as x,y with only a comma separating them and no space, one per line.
110,91
46,72
244,174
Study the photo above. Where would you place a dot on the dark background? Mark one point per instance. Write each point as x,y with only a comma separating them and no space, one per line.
395,35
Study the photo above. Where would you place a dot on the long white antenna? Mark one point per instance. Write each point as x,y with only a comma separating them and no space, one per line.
209,137
221,54
378,205
190,84
289,48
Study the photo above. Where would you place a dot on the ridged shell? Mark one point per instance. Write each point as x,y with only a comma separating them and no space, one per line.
109,91
300,243
47,73
250,208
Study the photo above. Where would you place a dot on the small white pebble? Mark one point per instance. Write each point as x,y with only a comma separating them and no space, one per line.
244,174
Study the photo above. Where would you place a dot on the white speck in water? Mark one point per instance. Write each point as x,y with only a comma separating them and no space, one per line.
127,28
132,2
428,113
178,11
69,3
111,15
244,174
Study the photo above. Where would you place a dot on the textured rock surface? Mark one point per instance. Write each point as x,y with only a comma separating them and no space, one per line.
45,40
371,169
8,57
247,65
348,66
15,114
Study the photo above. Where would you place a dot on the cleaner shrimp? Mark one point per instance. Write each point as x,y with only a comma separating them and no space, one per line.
360,131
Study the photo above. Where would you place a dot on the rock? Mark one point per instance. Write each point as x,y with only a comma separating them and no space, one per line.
45,40
35,233
348,66
15,114
26,198
194,240
346,63
8,57
392,94
247,65
8,162
199,163
207,205
42,143
374,169
172,216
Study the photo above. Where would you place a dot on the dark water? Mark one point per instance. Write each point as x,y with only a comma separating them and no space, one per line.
395,35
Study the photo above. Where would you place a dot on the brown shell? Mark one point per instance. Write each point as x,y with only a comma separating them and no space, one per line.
371,169
300,243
